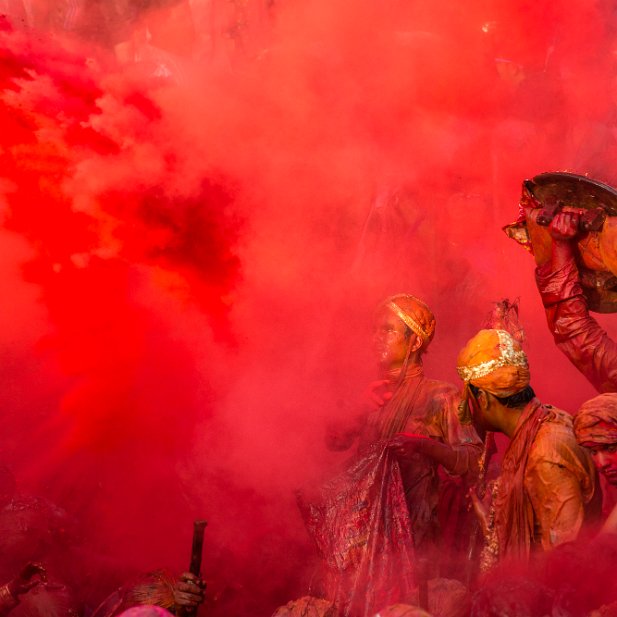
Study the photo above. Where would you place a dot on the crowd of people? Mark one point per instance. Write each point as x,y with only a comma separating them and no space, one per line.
423,519
384,527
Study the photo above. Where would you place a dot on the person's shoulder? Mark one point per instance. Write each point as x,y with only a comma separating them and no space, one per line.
555,441
443,388
557,427
558,419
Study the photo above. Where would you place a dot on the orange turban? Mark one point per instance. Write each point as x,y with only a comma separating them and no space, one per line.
416,315
596,421
494,362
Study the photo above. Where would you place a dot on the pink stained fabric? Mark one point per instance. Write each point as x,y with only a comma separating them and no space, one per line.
360,524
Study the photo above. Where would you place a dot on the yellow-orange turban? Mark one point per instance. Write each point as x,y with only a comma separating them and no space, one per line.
414,313
596,421
494,362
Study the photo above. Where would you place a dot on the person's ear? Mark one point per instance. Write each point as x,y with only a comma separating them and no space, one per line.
483,399
416,344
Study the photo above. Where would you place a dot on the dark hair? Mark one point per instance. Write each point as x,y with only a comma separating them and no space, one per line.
519,399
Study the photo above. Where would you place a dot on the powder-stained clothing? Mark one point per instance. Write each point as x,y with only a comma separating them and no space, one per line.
576,333
429,408
370,521
547,488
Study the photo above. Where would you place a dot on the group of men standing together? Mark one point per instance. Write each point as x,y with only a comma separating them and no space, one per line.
547,491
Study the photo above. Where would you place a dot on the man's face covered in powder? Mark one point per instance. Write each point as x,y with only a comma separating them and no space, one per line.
605,459
391,340
595,427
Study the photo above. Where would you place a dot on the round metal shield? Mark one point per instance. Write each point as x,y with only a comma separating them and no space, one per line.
573,190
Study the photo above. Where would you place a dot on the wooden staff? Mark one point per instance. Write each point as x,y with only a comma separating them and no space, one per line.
199,528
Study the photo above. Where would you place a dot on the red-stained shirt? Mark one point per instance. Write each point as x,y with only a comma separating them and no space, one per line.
576,333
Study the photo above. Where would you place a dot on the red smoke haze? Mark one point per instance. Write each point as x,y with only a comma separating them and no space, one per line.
190,264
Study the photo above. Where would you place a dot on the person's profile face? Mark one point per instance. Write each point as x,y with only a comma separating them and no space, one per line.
390,340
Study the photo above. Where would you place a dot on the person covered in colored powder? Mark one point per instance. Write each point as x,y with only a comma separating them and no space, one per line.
547,487
371,522
577,334
595,427
417,416
407,408
581,574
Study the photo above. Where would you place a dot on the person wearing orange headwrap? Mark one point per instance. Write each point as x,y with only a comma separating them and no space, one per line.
413,407
416,417
595,427
373,520
547,487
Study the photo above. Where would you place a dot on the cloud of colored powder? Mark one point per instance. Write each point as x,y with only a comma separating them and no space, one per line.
195,240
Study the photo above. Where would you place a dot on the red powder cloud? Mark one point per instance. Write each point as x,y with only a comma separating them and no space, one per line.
192,261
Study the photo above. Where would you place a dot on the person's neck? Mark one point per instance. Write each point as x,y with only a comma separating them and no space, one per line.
506,419
414,368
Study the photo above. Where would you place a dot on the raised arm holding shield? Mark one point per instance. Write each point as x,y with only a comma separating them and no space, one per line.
569,223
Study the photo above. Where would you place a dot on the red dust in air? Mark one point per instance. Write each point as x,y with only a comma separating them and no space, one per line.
197,231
